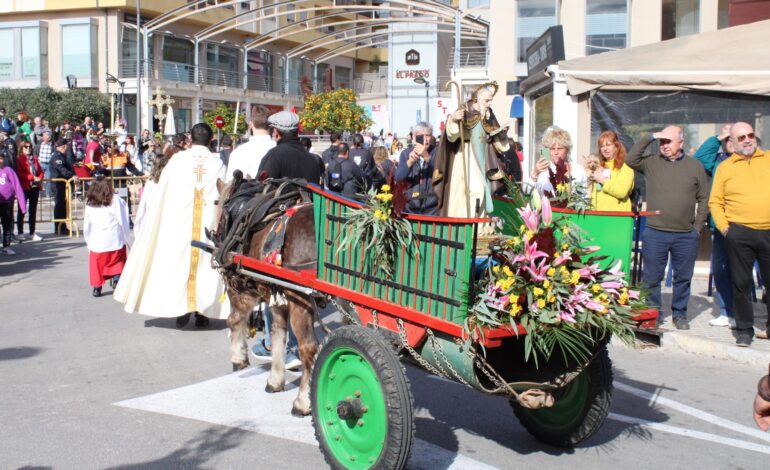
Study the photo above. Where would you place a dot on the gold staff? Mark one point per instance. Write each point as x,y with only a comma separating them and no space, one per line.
466,164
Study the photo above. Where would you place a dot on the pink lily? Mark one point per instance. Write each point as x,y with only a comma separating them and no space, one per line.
589,271
617,269
546,213
595,306
633,294
536,203
568,317
531,253
563,257
592,249
530,217
612,285
537,272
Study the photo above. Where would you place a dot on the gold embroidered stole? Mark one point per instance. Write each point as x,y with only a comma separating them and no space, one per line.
192,298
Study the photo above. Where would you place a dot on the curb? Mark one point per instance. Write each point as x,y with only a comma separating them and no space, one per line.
705,347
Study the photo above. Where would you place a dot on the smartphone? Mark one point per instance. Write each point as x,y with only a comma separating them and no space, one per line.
545,153
420,139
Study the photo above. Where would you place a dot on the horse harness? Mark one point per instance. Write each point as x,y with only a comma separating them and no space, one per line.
252,206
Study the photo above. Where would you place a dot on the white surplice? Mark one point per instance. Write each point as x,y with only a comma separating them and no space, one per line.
164,276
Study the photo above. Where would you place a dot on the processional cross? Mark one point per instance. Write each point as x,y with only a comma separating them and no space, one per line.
199,171
160,100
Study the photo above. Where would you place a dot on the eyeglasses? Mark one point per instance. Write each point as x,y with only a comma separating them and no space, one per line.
741,138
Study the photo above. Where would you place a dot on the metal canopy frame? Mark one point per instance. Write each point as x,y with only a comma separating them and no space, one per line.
364,33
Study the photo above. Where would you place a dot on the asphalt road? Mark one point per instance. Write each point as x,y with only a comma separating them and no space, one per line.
84,385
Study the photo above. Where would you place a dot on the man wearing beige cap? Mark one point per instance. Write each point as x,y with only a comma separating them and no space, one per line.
289,158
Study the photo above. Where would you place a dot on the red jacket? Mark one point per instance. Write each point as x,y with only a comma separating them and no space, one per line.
25,171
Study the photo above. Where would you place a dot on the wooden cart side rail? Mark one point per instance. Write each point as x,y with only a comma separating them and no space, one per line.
307,278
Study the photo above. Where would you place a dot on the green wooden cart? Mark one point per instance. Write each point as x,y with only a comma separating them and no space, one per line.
361,402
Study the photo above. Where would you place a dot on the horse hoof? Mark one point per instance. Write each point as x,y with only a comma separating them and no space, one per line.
271,389
241,366
296,412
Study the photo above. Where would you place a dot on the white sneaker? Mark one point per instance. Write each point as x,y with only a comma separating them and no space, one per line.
722,320
36,237
8,251
23,237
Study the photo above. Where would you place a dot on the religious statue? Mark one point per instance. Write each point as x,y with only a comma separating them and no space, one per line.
160,100
467,163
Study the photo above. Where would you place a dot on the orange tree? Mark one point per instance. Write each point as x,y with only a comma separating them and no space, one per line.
228,114
334,111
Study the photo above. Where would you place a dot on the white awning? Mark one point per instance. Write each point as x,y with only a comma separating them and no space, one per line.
728,60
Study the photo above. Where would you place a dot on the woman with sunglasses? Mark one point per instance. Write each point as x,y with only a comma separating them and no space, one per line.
31,178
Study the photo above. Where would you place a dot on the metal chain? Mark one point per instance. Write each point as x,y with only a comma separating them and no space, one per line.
425,364
437,347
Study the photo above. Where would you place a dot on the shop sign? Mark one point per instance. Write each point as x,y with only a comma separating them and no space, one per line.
546,50
425,73
412,57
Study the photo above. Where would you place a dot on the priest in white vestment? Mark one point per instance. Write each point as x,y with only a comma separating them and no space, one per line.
164,276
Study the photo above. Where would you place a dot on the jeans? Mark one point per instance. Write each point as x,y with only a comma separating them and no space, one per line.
720,266
47,172
31,195
6,220
744,246
291,344
683,248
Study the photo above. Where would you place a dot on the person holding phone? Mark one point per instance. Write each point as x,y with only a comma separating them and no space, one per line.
415,172
554,167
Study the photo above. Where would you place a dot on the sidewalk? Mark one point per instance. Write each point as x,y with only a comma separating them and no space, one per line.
706,340
701,338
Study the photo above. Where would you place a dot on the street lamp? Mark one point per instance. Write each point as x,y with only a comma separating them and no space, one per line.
422,81
113,79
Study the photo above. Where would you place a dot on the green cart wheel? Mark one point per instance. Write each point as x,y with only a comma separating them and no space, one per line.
361,402
580,409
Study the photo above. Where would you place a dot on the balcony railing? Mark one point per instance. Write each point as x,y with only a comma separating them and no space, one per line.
470,56
185,73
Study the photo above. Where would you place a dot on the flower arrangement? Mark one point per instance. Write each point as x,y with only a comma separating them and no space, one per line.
546,281
379,230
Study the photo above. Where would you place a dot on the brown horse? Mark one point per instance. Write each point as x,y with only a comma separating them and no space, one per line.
245,293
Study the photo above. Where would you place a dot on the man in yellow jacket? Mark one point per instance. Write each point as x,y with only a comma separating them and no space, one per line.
741,211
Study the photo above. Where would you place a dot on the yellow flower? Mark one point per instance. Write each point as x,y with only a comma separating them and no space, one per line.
547,283
596,288
515,309
551,299
507,271
522,228
551,272
538,291
540,303
385,188
496,269
565,230
529,234
563,271
564,246
623,298
574,277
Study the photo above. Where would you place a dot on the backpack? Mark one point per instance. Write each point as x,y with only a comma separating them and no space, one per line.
334,176
7,126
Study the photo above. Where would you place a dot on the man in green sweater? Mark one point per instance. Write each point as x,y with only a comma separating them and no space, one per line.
678,187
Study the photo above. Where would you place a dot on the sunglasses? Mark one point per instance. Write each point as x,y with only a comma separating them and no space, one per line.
741,138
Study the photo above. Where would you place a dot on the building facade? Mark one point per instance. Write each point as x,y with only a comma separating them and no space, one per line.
201,59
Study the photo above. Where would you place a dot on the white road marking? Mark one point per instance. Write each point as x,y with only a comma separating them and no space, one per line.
681,407
690,433
239,400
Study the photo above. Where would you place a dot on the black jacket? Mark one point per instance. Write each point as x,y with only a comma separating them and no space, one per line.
290,159
365,160
61,167
351,176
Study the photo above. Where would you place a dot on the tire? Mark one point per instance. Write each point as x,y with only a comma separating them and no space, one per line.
580,409
356,365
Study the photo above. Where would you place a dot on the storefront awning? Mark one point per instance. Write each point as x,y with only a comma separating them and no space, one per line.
729,60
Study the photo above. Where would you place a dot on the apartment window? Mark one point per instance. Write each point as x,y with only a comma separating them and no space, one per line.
478,3
222,65
606,25
290,14
723,18
269,25
79,50
178,59
680,18
532,19
6,54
